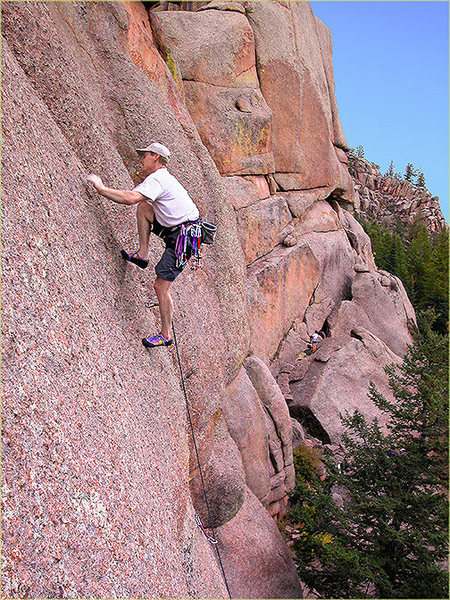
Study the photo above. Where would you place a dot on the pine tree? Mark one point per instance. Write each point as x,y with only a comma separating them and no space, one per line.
438,281
396,259
418,257
360,151
409,172
420,182
389,539
391,170
381,239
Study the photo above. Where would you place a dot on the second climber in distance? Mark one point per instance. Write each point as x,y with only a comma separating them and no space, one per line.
165,208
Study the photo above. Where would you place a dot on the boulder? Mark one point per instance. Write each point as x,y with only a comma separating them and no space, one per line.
336,380
238,141
243,192
273,400
294,343
326,50
260,184
316,314
330,249
223,477
382,310
320,218
300,201
280,286
298,434
213,47
358,238
303,129
261,566
290,240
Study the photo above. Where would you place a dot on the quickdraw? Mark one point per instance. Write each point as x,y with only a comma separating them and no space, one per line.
209,537
189,241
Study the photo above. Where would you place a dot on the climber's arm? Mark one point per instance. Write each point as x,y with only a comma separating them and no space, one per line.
128,197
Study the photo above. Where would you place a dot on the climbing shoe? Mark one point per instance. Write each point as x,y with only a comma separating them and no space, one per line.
156,340
135,259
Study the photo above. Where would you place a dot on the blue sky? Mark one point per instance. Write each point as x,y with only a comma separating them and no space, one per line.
391,75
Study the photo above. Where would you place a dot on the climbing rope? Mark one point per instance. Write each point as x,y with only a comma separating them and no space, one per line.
212,537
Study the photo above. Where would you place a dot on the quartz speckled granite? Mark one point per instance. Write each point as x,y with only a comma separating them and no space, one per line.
99,479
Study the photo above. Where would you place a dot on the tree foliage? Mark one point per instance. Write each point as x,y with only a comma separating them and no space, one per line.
419,260
390,170
410,172
388,538
420,181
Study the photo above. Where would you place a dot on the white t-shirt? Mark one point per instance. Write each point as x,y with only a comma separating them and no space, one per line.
315,337
171,202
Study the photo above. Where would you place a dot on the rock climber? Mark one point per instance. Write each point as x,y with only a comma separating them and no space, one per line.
164,207
314,340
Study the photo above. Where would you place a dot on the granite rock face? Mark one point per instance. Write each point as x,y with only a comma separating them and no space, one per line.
217,65
98,459
237,81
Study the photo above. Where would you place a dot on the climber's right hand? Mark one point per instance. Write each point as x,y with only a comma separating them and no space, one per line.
95,180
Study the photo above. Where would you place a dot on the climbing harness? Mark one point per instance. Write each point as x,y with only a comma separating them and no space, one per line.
212,537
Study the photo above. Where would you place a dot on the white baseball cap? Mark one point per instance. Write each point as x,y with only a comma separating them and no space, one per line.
157,149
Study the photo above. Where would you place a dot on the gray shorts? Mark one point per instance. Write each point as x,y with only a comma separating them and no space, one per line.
167,267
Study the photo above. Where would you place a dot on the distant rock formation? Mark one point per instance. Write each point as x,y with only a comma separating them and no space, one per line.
100,481
388,199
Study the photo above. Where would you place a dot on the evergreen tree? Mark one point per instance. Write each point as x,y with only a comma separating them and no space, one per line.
389,538
438,281
420,182
396,259
360,151
381,239
409,172
419,261
391,170
418,257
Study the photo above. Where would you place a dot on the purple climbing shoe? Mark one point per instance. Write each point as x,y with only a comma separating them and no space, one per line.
135,259
156,341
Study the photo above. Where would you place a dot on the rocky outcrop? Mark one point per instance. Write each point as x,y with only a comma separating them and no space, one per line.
100,480
388,199
334,380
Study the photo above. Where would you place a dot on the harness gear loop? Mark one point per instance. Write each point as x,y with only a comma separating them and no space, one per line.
199,523
188,244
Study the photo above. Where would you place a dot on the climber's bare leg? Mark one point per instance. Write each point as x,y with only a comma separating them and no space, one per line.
162,289
144,216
